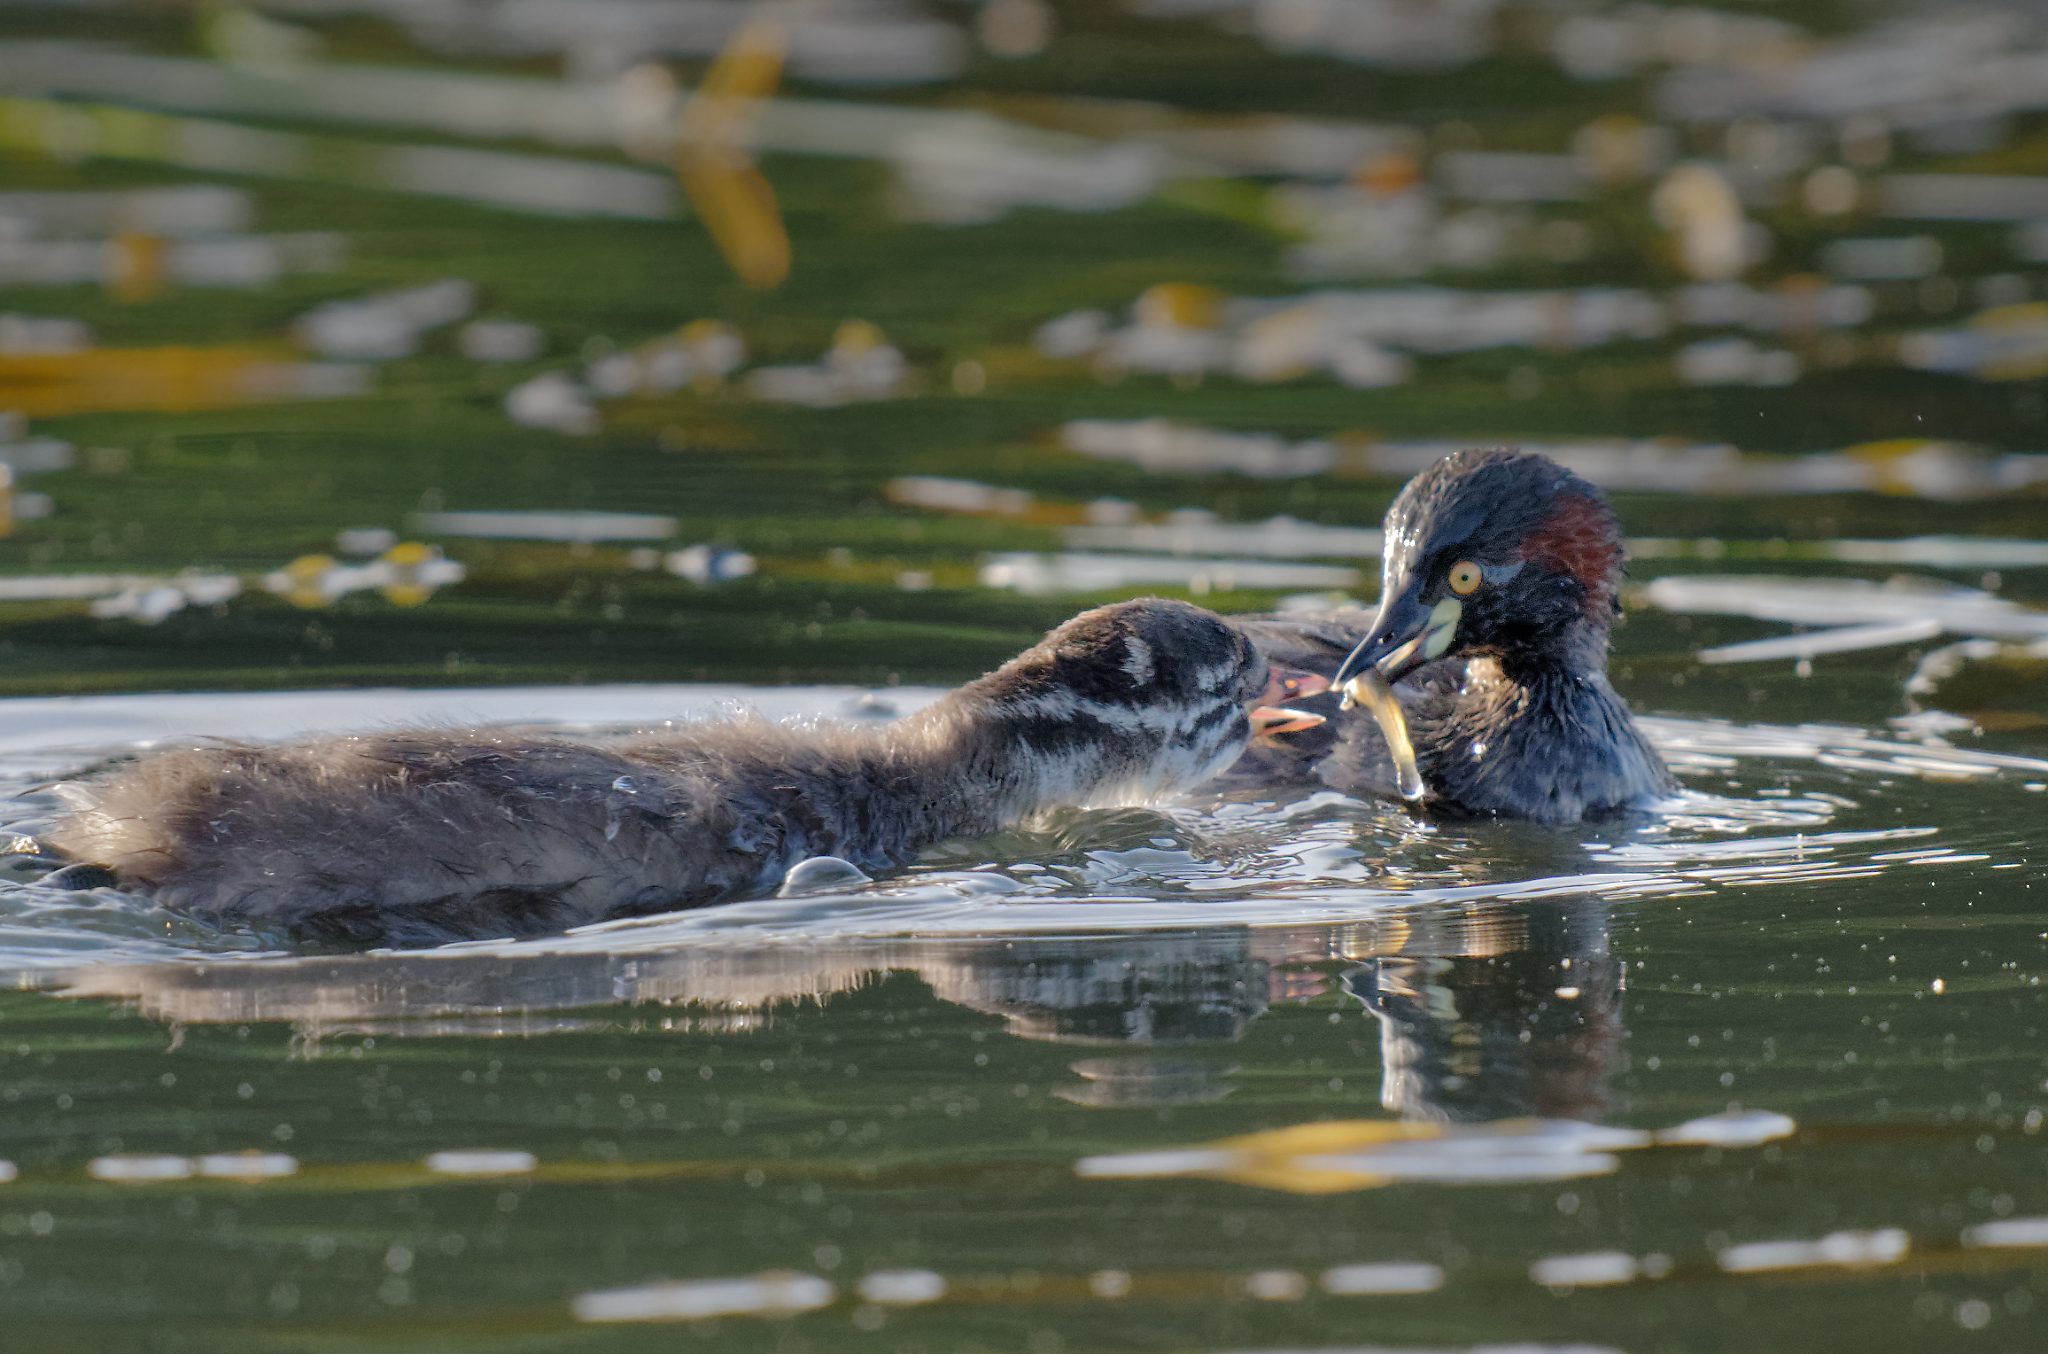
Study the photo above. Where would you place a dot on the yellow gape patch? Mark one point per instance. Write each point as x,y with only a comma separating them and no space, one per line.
1443,627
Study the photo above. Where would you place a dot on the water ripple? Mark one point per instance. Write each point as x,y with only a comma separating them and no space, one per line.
1769,805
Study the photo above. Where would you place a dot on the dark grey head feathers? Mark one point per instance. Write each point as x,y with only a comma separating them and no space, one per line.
1147,697
1544,550
1138,652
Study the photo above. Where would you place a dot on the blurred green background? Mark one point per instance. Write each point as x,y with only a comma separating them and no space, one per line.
1207,103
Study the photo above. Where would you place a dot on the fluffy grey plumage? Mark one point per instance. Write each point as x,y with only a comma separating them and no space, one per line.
1515,716
427,836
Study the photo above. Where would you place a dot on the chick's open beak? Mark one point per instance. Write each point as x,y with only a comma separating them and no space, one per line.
1270,714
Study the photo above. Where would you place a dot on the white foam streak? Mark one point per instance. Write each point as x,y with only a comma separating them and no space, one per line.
1384,1277
2006,1233
1597,1269
902,1287
1844,1250
248,1166
1734,1128
141,1168
772,1294
1835,639
1152,1165
481,1163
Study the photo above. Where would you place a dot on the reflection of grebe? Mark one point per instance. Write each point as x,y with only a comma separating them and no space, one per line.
415,837
1500,584
1506,1013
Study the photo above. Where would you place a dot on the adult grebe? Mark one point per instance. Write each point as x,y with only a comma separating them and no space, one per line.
1500,583
425,836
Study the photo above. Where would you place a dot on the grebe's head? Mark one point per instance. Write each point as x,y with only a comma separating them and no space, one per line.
1142,699
1494,552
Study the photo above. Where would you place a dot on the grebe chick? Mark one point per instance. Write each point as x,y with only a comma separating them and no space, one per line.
1500,583
413,837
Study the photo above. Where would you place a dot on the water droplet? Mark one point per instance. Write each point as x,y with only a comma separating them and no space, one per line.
821,874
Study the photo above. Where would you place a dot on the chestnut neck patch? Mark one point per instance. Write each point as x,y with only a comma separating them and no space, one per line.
1580,538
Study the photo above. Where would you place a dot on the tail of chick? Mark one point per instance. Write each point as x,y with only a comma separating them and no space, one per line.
239,833
118,824
392,839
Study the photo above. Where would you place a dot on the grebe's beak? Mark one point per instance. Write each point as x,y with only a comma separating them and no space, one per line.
1270,714
1405,635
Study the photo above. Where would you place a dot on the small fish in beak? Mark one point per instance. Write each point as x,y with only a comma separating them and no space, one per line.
1370,689
1270,715
1405,635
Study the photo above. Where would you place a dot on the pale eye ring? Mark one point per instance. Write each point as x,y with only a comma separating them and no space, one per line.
1465,578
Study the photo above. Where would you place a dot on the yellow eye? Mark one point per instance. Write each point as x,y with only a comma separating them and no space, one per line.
1465,578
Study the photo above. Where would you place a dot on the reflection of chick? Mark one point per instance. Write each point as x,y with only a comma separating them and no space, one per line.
1142,990
501,993
1534,1030
412,837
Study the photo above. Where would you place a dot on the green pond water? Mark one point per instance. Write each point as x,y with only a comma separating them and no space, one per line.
961,1104
1765,1070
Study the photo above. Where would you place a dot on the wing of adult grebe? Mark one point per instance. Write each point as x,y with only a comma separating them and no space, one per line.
1315,642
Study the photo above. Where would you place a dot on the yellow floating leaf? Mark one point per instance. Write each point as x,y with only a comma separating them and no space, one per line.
1291,1177
1333,1135
1889,449
48,385
854,337
138,272
717,171
737,206
750,66
409,554
1181,305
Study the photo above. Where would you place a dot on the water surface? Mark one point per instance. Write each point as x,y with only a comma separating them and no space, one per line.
344,338
1222,1074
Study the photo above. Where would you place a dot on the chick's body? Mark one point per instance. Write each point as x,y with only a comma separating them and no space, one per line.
427,835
